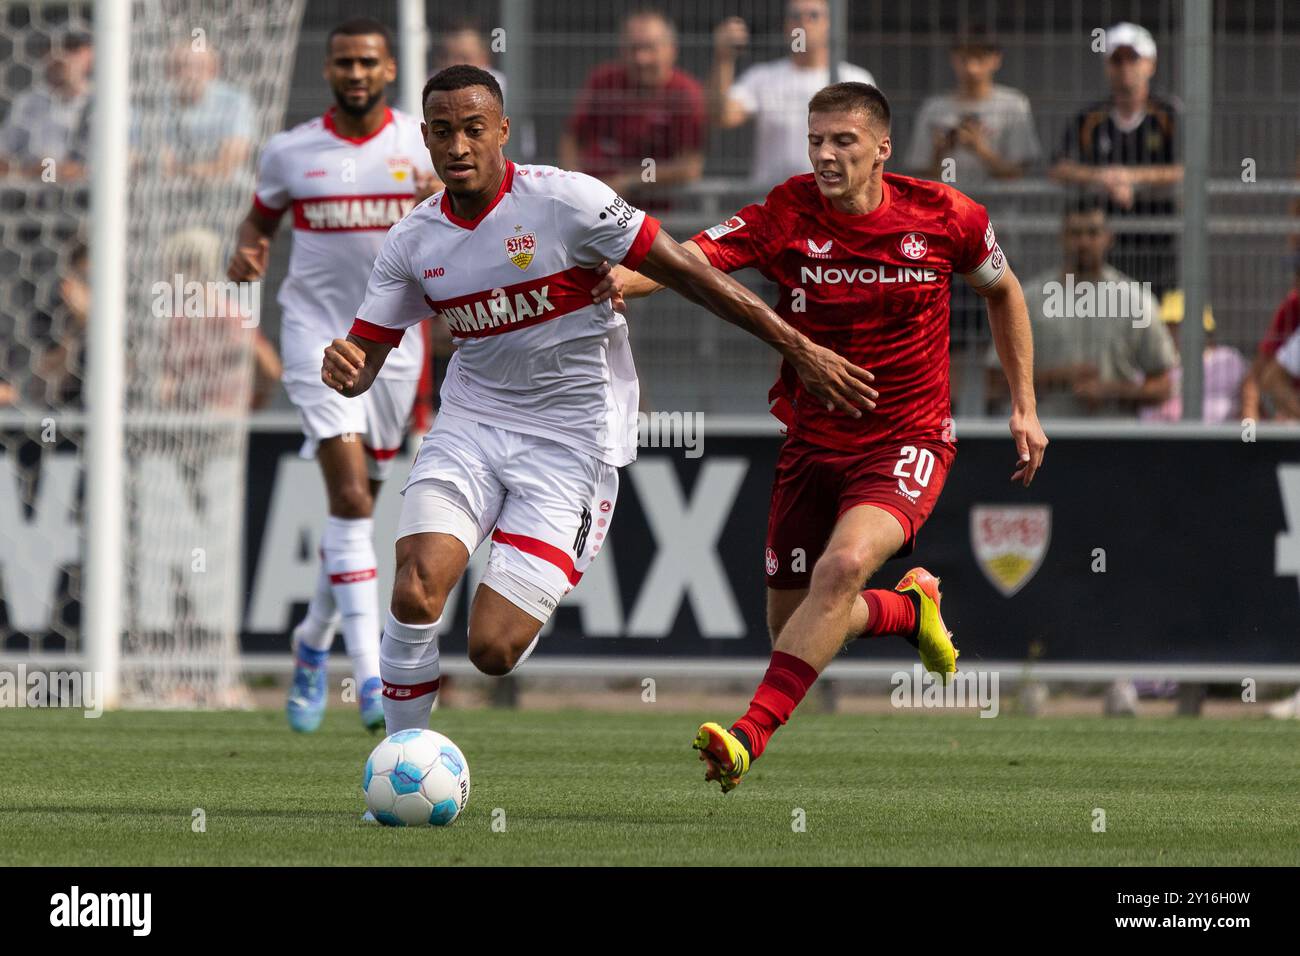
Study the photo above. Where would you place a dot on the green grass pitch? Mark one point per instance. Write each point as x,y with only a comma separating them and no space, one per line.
596,788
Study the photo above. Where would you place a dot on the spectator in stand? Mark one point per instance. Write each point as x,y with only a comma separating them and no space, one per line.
1223,371
216,359
1088,363
1126,147
61,326
985,128
775,94
49,121
1268,386
463,42
641,107
208,126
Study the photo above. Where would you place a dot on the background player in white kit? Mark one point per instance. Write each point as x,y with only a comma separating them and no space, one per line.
539,403
348,175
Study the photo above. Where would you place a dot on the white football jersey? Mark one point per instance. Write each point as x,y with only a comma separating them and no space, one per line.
345,192
534,353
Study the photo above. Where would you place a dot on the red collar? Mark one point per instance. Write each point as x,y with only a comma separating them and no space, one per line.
357,140
506,180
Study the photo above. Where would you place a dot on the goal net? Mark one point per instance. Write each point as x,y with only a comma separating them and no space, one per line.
208,83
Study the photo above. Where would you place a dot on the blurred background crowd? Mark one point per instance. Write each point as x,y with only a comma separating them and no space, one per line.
1062,117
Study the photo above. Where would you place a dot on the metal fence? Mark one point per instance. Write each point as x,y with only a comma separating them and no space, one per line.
549,49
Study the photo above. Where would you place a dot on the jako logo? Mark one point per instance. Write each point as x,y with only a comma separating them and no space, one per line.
103,909
437,273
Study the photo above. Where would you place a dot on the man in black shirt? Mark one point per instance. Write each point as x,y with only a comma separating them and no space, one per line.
1126,147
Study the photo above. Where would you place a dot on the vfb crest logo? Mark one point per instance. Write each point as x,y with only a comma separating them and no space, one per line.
1010,542
913,245
521,249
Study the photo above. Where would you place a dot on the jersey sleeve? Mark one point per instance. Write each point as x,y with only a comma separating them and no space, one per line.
272,194
394,297
740,242
1285,321
1288,356
977,255
598,225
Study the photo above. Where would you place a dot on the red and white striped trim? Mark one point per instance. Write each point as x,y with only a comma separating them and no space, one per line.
301,221
565,292
411,691
645,238
380,454
376,333
328,122
540,549
270,212
506,181
353,577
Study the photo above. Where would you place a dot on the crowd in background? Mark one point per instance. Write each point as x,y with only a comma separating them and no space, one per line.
642,123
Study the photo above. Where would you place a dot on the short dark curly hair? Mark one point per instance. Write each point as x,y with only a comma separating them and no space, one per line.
460,77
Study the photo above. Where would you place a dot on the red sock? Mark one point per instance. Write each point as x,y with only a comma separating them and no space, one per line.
889,613
784,685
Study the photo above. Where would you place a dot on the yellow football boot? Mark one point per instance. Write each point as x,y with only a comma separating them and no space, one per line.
933,640
726,759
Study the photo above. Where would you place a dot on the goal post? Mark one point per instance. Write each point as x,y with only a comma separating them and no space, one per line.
130,366
102,618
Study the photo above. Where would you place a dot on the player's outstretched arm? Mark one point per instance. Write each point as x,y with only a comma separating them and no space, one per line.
832,378
351,364
633,285
1009,320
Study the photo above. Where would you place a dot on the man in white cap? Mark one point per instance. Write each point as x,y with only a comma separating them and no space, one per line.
1126,146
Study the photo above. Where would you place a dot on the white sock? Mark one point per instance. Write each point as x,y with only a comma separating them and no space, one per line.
349,549
316,630
409,665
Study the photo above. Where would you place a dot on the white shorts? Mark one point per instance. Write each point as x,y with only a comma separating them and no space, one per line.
378,417
547,507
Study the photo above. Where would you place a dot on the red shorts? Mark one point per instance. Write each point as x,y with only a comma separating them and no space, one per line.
814,485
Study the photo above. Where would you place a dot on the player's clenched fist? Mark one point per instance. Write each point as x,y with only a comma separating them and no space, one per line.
341,371
835,380
249,261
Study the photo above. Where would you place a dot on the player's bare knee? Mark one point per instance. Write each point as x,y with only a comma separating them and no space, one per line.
352,499
497,644
494,658
416,597
839,572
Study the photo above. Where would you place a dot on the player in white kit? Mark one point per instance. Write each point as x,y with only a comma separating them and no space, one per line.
347,176
539,402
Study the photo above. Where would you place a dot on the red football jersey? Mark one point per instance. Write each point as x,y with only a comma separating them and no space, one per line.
873,288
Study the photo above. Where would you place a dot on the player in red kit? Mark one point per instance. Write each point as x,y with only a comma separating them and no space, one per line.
864,260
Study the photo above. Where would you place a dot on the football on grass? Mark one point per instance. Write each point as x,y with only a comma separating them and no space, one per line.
416,778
